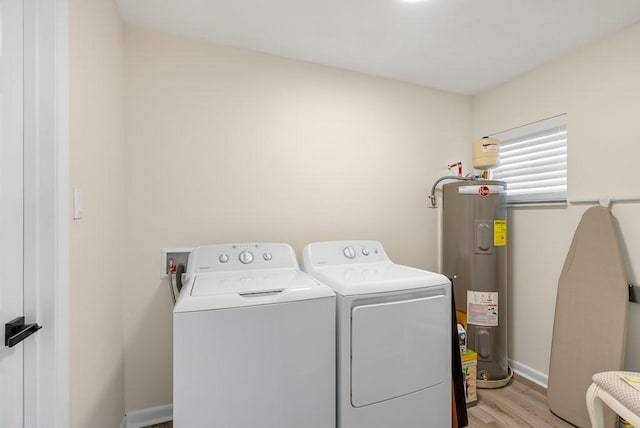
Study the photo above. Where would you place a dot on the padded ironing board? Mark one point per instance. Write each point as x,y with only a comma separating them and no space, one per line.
589,329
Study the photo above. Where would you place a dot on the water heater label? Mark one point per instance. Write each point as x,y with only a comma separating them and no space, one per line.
499,233
482,308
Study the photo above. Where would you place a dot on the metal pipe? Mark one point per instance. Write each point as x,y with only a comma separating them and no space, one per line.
432,197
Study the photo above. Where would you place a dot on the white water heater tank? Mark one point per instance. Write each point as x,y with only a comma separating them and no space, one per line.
485,153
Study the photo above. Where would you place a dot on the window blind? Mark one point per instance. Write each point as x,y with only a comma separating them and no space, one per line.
533,162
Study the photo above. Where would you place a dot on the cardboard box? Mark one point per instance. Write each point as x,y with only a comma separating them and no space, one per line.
461,318
470,371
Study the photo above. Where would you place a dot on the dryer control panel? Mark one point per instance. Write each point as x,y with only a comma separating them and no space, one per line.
238,257
344,252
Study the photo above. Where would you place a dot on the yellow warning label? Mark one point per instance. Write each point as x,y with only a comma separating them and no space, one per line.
499,233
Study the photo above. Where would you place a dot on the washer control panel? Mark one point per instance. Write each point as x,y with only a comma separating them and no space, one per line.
233,257
344,252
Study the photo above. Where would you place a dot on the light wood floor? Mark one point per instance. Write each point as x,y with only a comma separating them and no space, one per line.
514,406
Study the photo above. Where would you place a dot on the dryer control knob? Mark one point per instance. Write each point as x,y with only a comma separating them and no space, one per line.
223,258
267,256
365,251
246,257
349,252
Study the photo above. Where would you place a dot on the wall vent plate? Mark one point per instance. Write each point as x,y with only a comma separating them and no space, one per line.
179,256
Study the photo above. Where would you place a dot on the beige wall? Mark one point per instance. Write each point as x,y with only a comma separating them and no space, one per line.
96,241
227,145
599,88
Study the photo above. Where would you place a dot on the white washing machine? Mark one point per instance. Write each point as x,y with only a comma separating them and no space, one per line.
254,341
393,337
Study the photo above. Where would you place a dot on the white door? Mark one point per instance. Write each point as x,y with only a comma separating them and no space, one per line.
11,207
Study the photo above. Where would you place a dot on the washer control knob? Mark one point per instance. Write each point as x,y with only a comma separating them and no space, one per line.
365,251
267,256
246,257
349,252
223,258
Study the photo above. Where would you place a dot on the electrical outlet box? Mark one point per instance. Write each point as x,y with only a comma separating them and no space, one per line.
179,256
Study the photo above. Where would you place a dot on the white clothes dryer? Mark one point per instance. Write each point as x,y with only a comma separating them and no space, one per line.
254,341
393,337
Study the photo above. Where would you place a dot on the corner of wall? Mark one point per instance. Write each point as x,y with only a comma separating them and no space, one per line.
96,167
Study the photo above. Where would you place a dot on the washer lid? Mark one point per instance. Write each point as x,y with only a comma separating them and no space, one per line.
365,278
248,288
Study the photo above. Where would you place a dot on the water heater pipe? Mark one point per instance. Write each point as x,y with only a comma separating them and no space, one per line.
432,198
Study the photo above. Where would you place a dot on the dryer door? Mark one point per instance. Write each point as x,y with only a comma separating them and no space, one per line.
399,347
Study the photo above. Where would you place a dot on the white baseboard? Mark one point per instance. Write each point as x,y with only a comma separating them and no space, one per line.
530,374
150,416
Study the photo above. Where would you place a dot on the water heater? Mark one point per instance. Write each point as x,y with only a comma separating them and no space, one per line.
474,256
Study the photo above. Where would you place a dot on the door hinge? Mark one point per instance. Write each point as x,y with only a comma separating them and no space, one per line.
16,331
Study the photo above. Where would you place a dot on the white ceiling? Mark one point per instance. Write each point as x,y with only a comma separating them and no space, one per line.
462,46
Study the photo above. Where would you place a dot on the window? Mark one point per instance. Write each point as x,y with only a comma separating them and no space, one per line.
533,162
